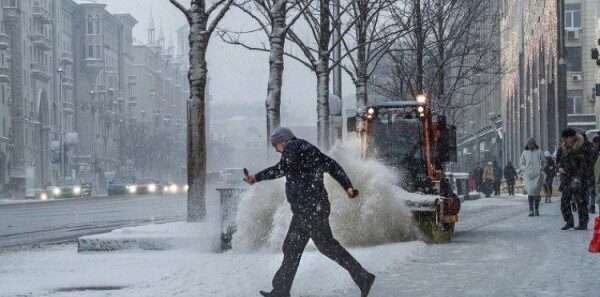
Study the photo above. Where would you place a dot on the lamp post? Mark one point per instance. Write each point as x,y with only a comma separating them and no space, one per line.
62,132
477,144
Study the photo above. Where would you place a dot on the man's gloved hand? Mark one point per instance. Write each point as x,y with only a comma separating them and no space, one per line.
250,179
352,192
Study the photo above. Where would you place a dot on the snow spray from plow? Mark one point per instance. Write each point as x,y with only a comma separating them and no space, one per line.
378,216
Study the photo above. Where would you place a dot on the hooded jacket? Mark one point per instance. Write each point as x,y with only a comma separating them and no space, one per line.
577,164
303,166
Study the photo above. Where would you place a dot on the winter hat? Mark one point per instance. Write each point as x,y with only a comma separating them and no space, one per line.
568,132
280,135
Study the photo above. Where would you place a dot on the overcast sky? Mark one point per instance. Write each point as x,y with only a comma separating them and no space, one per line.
237,75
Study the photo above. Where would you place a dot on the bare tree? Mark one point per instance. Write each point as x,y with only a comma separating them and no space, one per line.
372,35
274,18
452,52
203,21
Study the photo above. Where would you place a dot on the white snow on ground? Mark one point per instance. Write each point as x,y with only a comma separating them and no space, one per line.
498,251
378,216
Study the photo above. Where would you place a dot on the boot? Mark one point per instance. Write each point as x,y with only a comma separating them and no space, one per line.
567,227
365,282
536,213
274,294
531,214
581,227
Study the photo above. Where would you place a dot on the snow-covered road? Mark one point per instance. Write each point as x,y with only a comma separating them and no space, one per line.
52,221
498,251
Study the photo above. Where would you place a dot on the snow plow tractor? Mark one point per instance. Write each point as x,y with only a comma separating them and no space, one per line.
404,135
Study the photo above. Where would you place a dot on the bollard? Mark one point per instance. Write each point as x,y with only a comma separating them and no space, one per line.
229,199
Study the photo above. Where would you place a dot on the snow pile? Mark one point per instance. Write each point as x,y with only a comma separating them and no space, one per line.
379,215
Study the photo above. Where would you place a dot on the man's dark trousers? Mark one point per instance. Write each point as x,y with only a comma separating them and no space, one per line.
315,227
582,209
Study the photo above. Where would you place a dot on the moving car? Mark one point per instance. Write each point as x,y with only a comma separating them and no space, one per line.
70,188
175,188
146,186
121,185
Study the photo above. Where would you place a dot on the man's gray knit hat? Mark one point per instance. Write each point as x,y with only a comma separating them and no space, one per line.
280,135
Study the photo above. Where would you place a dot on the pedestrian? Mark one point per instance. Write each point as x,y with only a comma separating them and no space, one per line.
488,179
573,161
303,166
497,178
531,166
510,174
480,181
592,190
550,173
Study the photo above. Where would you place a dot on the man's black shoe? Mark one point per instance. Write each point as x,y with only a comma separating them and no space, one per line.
581,228
365,284
274,294
567,227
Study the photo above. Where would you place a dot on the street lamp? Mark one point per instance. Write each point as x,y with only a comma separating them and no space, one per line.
62,132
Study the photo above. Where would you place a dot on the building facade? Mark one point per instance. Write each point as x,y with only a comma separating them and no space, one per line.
5,99
532,104
69,105
581,18
479,126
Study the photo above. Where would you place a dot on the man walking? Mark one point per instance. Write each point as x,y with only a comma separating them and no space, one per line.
497,178
488,179
510,174
550,172
303,166
573,160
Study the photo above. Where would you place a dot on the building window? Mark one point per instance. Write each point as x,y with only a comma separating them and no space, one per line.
90,51
97,21
572,16
3,101
575,101
90,25
574,58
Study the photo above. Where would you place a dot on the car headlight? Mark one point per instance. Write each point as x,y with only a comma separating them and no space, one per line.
173,188
56,191
44,196
77,190
186,187
152,188
132,189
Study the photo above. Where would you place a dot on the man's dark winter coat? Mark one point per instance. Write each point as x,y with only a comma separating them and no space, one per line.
510,174
303,166
577,164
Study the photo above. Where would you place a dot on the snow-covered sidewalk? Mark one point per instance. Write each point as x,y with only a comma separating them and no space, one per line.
498,251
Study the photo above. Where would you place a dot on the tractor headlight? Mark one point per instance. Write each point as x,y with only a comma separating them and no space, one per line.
151,188
77,190
132,189
420,109
371,110
56,191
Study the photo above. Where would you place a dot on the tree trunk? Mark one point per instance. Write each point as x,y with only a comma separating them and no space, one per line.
323,106
322,73
196,125
441,44
361,56
277,42
420,44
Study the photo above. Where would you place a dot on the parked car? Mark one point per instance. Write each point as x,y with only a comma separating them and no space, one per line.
121,185
69,188
146,186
